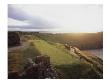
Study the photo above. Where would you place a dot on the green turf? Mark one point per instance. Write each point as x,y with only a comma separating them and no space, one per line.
57,56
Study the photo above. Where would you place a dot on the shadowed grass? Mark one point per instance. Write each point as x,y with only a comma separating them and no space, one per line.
17,59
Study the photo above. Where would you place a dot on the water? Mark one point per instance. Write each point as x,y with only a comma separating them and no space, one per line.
96,52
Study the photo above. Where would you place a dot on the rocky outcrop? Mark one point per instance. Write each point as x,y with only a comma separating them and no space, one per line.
13,39
41,68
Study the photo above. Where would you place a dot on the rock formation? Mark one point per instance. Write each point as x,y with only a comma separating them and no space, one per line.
13,39
40,69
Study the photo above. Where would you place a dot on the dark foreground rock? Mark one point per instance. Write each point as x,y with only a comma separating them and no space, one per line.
13,39
40,69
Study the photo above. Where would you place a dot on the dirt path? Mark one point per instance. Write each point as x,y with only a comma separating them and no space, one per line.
22,46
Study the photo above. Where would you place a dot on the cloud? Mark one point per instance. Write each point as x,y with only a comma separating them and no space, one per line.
13,22
16,13
69,18
20,19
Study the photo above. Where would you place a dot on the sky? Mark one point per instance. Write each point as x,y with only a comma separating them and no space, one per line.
55,18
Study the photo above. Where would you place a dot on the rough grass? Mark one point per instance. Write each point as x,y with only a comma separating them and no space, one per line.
68,66
17,59
78,71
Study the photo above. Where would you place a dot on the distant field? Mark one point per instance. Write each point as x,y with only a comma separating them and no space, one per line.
81,40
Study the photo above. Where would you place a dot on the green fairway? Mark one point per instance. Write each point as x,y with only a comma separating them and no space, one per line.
57,56
69,66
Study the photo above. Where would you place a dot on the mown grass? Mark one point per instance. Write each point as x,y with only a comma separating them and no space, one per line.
57,56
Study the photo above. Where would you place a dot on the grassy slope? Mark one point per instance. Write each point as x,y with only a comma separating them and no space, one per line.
57,56
80,40
18,58
68,66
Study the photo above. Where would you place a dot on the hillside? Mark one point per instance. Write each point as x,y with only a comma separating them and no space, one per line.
80,40
65,63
